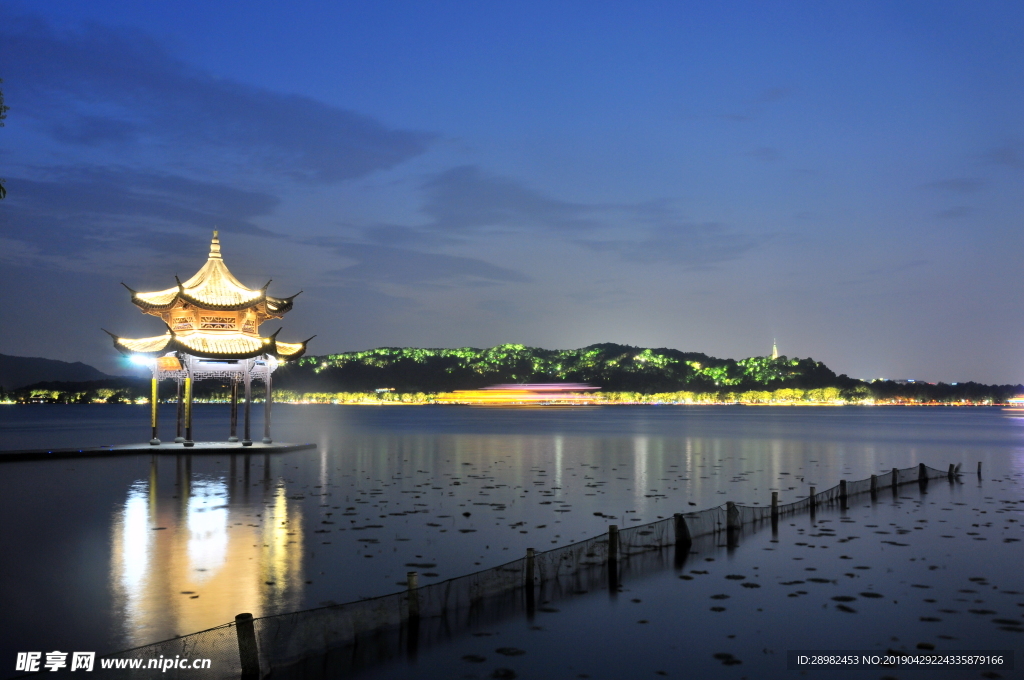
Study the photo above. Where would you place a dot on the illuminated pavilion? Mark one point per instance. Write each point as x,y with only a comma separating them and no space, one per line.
213,323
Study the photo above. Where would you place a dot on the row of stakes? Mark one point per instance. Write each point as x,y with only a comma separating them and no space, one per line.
246,631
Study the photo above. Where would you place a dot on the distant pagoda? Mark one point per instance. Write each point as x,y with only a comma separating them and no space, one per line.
213,323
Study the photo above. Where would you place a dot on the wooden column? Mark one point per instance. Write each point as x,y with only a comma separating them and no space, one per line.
246,439
188,410
951,474
895,479
842,493
268,401
180,416
874,486
233,437
155,402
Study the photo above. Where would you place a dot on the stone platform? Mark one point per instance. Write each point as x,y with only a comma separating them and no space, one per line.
166,448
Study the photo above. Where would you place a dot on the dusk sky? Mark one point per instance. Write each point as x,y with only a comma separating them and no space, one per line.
847,178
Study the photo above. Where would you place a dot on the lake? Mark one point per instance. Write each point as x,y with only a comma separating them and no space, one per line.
110,553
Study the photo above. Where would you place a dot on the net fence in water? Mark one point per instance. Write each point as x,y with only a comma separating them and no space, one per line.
341,639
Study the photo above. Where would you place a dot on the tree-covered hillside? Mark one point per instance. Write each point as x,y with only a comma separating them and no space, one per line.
609,366
625,375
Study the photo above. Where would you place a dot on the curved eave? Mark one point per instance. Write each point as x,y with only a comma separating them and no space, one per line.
289,351
274,307
162,344
278,307
200,303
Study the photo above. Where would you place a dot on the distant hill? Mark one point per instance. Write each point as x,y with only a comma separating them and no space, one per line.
610,366
18,372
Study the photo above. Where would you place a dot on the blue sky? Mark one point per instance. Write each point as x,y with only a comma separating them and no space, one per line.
845,177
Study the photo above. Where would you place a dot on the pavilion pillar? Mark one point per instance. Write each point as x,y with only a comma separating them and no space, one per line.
188,402
234,411
180,416
154,402
268,401
247,440
188,410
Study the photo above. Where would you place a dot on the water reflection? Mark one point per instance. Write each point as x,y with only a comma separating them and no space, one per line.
193,560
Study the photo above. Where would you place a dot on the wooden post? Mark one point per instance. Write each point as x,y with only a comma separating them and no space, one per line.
683,540
682,531
810,496
180,415
842,493
732,516
613,557
775,506
895,479
951,475
412,642
246,440
233,437
155,401
267,401
412,580
874,486
922,472
188,412
732,524
979,469
530,601
248,652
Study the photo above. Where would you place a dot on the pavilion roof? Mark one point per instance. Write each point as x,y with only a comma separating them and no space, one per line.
211,345
213,287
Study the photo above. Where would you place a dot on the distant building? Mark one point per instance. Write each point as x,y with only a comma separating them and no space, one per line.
775,350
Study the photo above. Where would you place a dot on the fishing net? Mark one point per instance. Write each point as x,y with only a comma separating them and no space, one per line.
340,639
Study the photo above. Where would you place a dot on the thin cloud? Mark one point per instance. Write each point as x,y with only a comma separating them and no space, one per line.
1010,155
765,153
98,86
465,202
387,265
691,246
82,212
774,94
956,212
958,185
757,106
467,198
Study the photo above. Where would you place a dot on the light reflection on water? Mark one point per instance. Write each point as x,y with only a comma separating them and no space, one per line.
181,561
528,479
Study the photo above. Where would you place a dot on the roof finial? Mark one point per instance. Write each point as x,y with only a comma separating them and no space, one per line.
215,247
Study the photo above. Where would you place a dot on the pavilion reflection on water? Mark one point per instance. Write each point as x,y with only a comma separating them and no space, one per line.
213,324
212,545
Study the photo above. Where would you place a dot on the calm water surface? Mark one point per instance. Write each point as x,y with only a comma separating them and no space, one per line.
104,554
